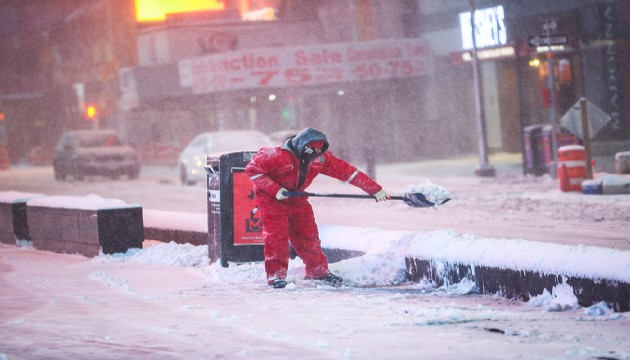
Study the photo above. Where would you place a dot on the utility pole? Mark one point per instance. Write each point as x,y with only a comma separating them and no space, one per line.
366,31
484,169
550,26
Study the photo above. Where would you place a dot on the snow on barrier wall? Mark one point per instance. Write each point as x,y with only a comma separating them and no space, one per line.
508,267
521,284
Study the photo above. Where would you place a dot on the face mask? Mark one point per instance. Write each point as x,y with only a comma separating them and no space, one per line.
310,153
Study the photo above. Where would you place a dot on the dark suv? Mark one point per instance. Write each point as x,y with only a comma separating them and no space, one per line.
84,153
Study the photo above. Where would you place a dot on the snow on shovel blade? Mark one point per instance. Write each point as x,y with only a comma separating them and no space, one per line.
419,200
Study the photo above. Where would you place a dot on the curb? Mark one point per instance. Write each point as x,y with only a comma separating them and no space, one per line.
177,235
521,284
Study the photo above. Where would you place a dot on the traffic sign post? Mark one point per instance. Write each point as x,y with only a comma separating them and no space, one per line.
548,40
549,27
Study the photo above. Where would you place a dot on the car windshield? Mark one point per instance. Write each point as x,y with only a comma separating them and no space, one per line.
98,140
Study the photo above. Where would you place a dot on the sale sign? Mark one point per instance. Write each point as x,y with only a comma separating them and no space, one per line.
247,219
304,65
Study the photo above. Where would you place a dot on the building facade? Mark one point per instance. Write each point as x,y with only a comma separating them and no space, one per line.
387,80
589,52
58,56
421,114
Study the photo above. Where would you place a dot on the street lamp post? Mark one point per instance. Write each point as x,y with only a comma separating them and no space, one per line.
549,27
484,169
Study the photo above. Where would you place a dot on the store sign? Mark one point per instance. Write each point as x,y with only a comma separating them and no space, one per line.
304,65
490,54
489,28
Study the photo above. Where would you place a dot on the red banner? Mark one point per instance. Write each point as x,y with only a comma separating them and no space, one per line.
304,65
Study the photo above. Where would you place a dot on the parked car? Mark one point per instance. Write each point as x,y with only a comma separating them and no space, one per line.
194,156
82,153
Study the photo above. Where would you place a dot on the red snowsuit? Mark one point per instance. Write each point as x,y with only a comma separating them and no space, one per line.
279,167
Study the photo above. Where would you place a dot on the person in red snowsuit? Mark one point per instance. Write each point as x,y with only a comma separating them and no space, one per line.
292,167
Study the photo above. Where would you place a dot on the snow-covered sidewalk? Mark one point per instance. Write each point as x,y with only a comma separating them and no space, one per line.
166,302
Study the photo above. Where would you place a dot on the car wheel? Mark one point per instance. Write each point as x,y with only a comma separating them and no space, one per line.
59,176
183,176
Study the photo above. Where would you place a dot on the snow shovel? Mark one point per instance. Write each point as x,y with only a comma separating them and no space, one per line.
417,200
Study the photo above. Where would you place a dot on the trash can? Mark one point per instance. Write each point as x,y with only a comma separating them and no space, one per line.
563,137
234,222
534,150
538,147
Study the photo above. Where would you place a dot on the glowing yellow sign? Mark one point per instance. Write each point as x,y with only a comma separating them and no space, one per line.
156,10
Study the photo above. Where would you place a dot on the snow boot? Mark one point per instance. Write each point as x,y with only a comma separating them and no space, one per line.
330,279
278,283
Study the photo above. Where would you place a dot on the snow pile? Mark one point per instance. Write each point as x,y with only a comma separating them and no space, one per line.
432,192
448,246
170,254
370,270
16,196
385,253
561,298
89,202
24,243
581,261
383,263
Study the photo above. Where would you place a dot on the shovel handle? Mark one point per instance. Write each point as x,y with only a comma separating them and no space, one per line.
417,200
350,196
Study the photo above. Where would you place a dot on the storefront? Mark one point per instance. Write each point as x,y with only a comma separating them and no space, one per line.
351,90
586,54
416,94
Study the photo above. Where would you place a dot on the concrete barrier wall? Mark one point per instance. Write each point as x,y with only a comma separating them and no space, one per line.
521,284
85,232
13,223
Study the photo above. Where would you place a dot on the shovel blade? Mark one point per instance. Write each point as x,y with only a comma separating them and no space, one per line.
420,201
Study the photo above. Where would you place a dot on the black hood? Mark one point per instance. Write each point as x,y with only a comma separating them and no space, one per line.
299,141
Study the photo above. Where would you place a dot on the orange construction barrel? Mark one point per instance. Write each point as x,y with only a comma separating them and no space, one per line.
571,167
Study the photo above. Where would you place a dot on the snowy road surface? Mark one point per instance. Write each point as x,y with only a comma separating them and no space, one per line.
508,206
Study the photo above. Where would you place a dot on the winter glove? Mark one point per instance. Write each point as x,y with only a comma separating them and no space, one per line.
381,196
280,195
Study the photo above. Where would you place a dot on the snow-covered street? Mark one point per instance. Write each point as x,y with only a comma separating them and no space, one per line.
508,206
166,302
